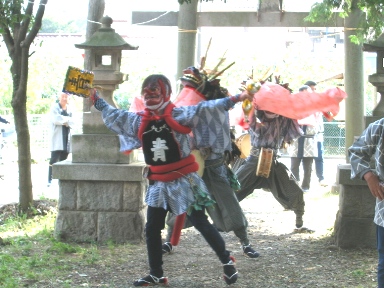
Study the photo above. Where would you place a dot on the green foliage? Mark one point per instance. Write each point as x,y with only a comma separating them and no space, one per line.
369,29
358,273
30,254
51,25
11,12
202,199
122,99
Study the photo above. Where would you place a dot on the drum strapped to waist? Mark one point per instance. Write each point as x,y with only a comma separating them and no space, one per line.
265,160
200,160
244,144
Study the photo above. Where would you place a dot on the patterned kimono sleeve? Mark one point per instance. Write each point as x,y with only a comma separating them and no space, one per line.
125,124
362,149
191,114
292,130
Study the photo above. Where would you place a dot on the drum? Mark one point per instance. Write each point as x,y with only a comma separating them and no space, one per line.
200,161
244,144
265,162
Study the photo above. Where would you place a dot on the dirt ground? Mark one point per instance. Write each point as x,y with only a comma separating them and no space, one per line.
289,258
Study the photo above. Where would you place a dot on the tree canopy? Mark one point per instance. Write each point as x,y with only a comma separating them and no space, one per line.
370,27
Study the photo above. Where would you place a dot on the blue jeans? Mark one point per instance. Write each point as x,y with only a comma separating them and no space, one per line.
319,161
380,249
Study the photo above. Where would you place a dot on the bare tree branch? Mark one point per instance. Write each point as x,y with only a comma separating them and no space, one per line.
37,23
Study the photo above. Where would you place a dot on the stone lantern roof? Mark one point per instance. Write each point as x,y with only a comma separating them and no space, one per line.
375,46
106,38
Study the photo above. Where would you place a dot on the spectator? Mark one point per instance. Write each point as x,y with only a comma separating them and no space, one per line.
303,150
60,131
370,144
319,160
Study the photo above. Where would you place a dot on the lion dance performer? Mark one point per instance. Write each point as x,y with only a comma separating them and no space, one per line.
162,130
271,124
211,136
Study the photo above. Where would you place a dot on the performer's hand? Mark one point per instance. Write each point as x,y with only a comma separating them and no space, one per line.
94,95
245,95
374,185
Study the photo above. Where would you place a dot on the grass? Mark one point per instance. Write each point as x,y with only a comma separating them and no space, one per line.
31,255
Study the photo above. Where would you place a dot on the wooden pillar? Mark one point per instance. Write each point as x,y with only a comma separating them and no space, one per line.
187,24
354,80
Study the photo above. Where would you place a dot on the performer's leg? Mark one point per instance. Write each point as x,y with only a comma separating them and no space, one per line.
248,251
200,220
167,246
226,214
307,165
155,223
286,191
170,223
246,175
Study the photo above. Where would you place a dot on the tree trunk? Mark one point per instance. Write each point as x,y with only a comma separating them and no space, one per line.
19,31
19,72
95,13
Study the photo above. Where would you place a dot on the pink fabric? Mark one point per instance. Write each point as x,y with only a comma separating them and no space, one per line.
137,105
274,98
310,120
236,117
188,97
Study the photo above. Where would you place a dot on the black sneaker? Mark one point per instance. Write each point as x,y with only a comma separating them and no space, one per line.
230,272
249,252
167,248
151,280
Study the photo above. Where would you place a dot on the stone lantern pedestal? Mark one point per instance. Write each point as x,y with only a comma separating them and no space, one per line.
101,194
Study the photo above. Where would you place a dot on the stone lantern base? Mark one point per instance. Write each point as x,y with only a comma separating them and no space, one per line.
354,227
100,202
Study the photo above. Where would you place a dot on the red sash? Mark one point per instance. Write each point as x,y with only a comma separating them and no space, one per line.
172,171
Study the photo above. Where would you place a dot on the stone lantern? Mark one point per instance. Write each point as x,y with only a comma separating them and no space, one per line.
105,47
377,79
101,195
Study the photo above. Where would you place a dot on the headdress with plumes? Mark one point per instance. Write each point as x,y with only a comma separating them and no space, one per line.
204,80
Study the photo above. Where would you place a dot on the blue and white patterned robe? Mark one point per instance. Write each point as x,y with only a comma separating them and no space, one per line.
370,143
177,194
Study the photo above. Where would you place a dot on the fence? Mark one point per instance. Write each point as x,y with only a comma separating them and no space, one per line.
334,139
334,136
